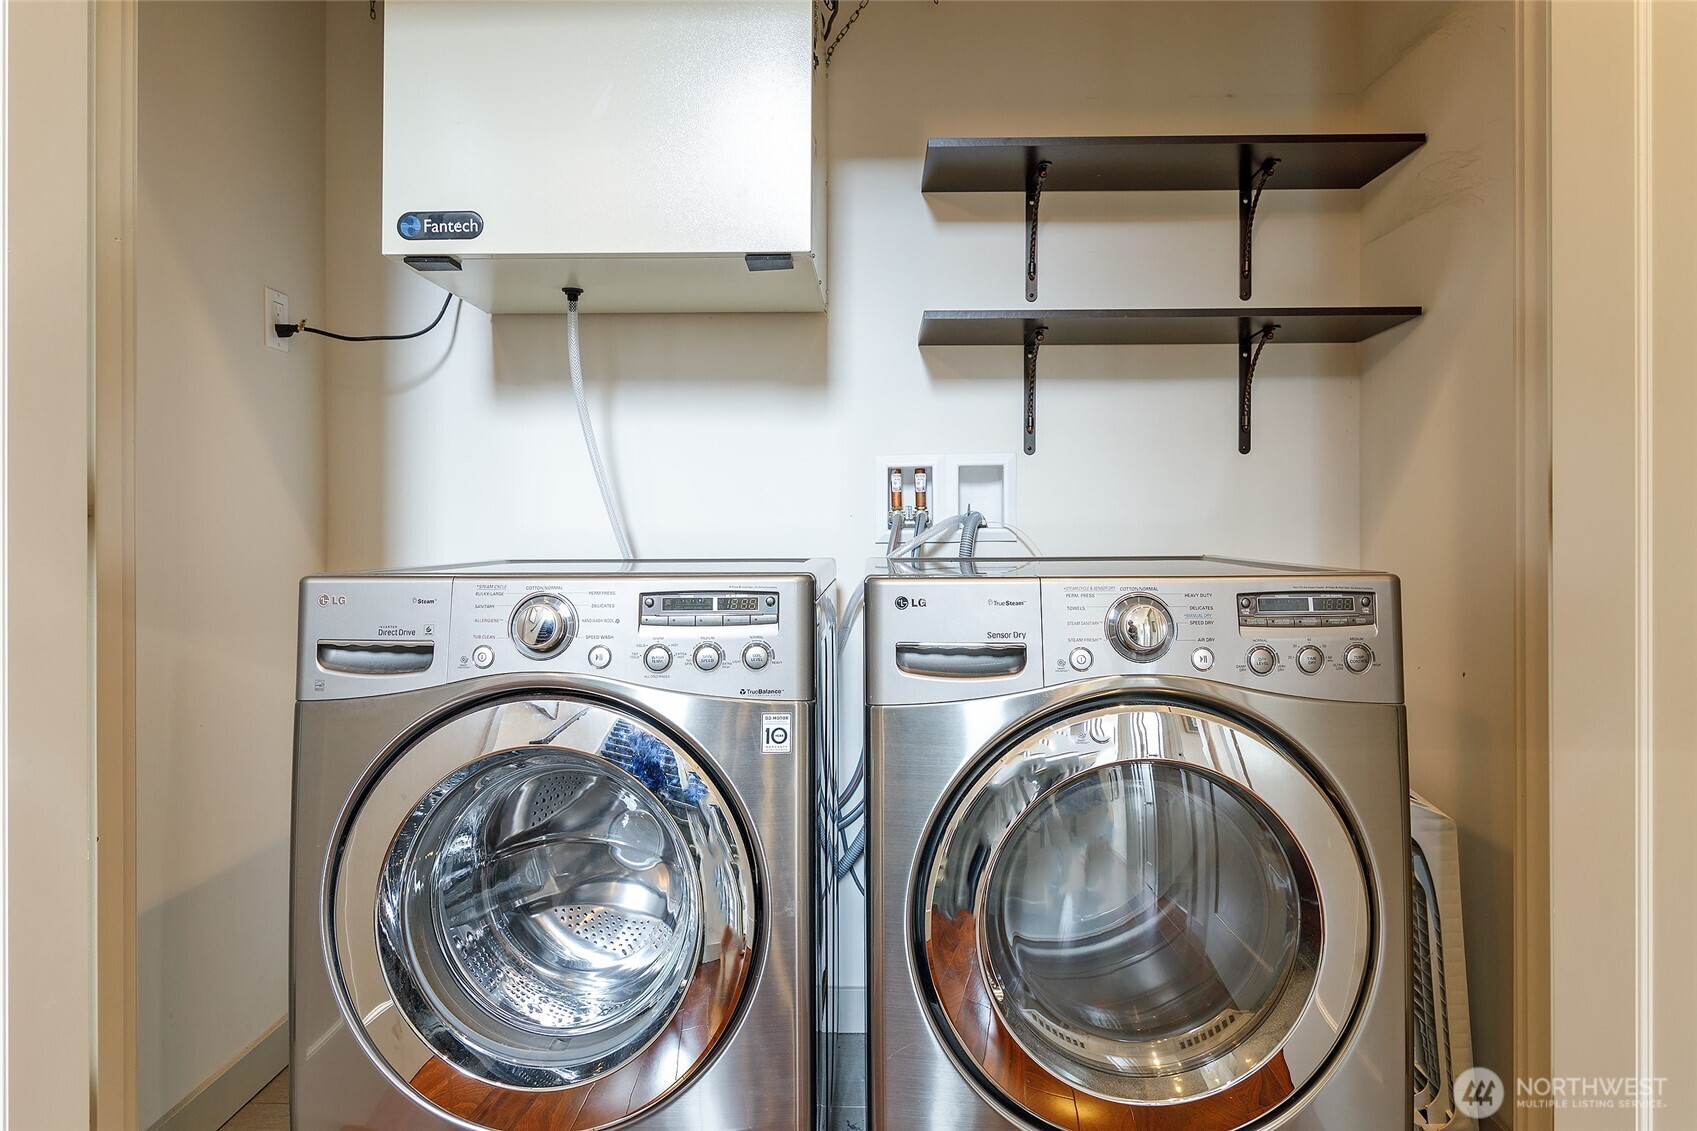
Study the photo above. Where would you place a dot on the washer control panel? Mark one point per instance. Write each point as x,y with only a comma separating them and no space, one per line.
705,635
708,610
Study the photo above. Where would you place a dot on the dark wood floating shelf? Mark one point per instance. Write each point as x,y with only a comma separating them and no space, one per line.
1142,327
1249,328
1160,164
1249,163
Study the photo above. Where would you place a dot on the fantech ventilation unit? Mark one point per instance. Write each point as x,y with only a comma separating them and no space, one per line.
1443,1033
663,156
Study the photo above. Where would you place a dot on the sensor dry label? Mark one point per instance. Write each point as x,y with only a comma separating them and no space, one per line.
775,733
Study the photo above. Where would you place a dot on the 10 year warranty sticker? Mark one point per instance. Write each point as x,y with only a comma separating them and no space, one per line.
775,732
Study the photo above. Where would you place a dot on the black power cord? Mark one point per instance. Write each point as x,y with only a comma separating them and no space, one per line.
289,330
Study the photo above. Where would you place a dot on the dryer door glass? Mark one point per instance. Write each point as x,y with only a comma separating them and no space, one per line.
1141,903
544,893
1142,919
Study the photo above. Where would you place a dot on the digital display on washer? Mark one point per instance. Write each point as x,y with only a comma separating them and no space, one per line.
686,604
738,604
1281,604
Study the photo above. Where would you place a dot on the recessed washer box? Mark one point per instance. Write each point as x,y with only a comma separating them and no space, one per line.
662,156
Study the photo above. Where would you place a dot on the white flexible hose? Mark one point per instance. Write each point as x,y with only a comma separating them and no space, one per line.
589,435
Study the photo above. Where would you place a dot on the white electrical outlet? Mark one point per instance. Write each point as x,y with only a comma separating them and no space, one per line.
983,482
276,311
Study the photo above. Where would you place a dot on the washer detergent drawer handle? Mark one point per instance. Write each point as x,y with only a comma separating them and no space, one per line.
961,661
376,657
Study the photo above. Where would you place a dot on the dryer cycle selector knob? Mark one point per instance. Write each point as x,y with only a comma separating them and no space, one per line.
756,656
708,656
1310,659
658,658
1262,659
1140,628
543,624
1358,658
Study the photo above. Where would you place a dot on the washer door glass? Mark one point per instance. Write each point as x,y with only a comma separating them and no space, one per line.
1142,904
545,893
541,907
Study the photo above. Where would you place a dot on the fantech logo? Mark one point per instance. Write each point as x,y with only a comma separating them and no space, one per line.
439,225
916,602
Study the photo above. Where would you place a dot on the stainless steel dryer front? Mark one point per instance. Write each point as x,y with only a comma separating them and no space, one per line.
552,846
1138,838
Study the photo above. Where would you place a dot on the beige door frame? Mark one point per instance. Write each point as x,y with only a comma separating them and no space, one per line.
48,736
113,528
1623,412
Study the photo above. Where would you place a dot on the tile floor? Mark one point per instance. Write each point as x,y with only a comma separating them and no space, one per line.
269,1111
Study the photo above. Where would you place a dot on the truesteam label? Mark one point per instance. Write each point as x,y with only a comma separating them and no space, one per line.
775,733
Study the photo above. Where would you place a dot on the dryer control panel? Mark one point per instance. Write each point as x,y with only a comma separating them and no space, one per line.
1329,637
940,638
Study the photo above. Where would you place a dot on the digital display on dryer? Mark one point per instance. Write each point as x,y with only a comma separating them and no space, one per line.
1281,605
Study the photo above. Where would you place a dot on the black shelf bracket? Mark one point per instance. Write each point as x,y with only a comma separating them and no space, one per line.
1033,197
1251,180
1250,343
1033,341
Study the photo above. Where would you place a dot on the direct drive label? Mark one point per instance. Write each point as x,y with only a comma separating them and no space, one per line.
775,733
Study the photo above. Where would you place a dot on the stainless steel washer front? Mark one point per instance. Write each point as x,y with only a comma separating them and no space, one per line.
539,867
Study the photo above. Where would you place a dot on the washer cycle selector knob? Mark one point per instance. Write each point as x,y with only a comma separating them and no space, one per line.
658,658
756,656
1262,659
1358,658
1309,659
1140,628
543,624
708,656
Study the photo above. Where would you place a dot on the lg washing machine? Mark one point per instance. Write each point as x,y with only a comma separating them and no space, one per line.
552,847
1139,847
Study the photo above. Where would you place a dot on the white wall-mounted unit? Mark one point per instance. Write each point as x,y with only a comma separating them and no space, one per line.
663,156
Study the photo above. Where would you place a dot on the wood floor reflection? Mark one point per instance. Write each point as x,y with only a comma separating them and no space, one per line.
953,953
700,1020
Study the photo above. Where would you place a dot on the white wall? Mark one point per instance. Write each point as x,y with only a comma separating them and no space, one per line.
1439,454
229,505
748,435
49,787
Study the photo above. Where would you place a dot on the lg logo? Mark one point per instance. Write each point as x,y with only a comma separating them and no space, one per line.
328,599
915,603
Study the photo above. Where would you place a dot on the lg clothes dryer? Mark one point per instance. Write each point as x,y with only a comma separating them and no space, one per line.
1139,835
552,847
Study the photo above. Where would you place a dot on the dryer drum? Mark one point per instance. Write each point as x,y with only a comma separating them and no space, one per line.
1133,903
1143,919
